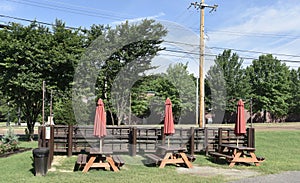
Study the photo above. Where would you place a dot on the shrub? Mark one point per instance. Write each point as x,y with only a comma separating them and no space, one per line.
9,141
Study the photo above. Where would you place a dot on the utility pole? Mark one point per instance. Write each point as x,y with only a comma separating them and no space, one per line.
43,106
201,108
51,98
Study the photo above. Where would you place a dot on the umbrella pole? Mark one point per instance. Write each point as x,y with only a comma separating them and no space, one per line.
237,141
100,147
168,141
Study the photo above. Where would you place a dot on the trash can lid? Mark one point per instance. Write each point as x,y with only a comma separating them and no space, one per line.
40,152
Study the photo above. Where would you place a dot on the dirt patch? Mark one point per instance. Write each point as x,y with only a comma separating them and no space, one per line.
57,162
278,127
17,130
16,151
286,126
228,174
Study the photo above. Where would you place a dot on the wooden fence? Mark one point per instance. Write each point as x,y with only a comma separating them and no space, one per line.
132,140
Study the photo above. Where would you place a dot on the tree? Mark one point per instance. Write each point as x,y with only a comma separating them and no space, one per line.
115,60
150,93
184,103
227,82
270,86
33,54
294,102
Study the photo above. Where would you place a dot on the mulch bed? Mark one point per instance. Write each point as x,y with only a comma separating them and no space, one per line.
16,151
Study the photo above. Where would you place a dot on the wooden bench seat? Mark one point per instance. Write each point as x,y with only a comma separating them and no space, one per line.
191,158
81,161
218,155
154,158
119,162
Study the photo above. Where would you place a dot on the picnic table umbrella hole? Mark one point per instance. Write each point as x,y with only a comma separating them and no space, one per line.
168,120
240,123
100,122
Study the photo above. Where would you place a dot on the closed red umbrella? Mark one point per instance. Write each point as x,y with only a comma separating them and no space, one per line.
168,120
240,123
100,122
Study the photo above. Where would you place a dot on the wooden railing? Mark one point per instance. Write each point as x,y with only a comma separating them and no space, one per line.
133,140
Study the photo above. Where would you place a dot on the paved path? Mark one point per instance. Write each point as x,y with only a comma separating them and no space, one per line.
242,176
290,177
228,173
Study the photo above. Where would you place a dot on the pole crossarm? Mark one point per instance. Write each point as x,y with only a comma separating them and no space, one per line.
203,5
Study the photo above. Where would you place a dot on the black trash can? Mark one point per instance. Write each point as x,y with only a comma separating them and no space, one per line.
40,156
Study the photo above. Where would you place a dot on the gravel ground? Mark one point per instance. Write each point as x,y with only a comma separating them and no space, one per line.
243,176
289,176
228,173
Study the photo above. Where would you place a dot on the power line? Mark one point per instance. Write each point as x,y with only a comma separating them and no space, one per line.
89,8
252,51
255,34
234,49
215,55
27,20
175,42
117,16
68,9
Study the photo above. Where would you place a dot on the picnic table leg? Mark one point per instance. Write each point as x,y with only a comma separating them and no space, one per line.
162,164
186,160
253,156
164,161
89,164
112,164
235,159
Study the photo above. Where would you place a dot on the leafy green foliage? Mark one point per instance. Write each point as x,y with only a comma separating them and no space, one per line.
150,93
270,83
121,56
9,141
33,54
227,82
294,102
63,111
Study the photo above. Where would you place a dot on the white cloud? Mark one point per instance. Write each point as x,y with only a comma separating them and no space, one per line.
6,8
264,29
139,19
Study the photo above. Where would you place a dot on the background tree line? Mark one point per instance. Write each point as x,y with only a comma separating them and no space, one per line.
270,83
34,53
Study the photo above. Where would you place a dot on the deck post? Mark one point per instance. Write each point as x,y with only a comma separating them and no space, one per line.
70,140
163,137
206,141
132,141
192,140
220,138
250,137
51,146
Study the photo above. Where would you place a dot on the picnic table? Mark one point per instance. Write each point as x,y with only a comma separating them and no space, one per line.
236,154
102,159
170,155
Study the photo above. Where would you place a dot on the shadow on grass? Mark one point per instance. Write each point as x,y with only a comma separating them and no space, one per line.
32,170
147,163
220,161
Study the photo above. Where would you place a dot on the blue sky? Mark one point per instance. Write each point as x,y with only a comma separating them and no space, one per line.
250,28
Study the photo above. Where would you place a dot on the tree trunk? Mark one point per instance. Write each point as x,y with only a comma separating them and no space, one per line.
30,128
265,116
112,117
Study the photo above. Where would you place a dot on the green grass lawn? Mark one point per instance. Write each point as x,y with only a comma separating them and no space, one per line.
280,148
